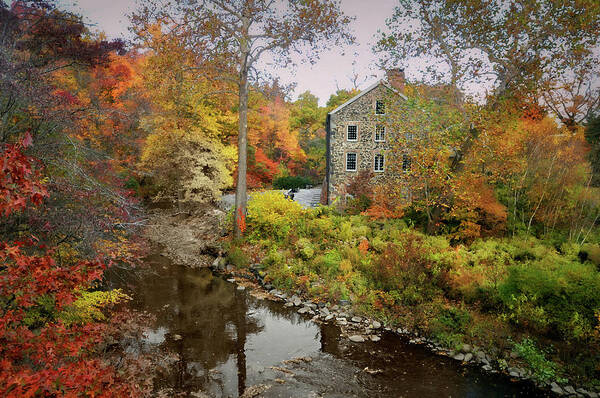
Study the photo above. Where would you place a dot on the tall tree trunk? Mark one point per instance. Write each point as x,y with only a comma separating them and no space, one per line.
241,195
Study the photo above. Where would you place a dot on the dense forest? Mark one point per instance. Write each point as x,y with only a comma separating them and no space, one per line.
497,245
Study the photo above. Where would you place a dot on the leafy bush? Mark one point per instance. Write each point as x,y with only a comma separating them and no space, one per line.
413,268
305,248
450,325
291,182
555,290
479,271
272,216
542,368
88,307
238,258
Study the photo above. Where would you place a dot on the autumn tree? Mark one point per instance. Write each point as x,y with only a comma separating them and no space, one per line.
236,36
62,210
538,49
186,153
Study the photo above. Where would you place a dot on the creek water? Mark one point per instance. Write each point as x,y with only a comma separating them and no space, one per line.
224,341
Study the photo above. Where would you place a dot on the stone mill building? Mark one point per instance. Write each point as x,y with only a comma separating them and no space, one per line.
357,135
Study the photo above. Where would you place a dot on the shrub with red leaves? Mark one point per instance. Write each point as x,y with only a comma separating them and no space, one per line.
47,357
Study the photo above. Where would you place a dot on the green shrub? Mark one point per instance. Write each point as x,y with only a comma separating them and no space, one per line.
238,258
565,292
543,369
291,182
327,265
305,248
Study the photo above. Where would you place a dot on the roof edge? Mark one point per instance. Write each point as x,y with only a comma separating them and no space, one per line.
367,90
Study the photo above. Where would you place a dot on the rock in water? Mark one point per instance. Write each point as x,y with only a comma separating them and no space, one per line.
357,338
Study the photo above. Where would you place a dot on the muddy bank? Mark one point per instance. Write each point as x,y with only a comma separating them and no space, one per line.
191,238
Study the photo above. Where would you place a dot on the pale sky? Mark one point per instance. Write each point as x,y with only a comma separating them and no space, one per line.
334,69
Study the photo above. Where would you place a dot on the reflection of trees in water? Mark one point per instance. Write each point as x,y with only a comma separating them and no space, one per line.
207,312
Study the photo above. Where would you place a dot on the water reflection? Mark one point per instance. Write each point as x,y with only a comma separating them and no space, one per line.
225,340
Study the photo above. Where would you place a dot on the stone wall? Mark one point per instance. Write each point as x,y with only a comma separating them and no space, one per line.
362,114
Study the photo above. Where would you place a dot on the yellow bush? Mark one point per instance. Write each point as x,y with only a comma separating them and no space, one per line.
271,215
88,307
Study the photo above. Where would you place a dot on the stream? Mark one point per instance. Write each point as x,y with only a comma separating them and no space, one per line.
224,341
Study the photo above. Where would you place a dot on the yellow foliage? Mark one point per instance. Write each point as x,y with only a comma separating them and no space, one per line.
88,307
271,215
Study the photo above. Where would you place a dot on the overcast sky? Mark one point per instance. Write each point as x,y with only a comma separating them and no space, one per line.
334,69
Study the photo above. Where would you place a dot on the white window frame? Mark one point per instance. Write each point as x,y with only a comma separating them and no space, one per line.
355,161
382,163
383,103
384,133
348,132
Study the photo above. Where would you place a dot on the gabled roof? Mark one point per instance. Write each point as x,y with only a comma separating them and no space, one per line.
367,90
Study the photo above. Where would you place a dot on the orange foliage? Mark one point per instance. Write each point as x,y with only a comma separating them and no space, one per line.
261,169
275,141
363,247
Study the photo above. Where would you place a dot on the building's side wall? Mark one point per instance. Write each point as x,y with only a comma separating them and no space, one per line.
361,113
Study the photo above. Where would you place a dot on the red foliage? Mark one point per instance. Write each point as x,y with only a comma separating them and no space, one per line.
44,357
261,171
19,180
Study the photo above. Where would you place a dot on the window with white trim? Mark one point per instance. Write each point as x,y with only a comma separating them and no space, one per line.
352,133
351,161
379,107
379,133
378,164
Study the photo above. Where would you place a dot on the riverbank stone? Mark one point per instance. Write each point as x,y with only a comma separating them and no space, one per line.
570,390
376,325
303,310
468,357
459,356
555,388
466,348
356,338
375,338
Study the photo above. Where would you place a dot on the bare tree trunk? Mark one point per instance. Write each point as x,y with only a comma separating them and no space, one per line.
241,194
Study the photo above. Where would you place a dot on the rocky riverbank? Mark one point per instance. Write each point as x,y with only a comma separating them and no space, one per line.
195,239
358,328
